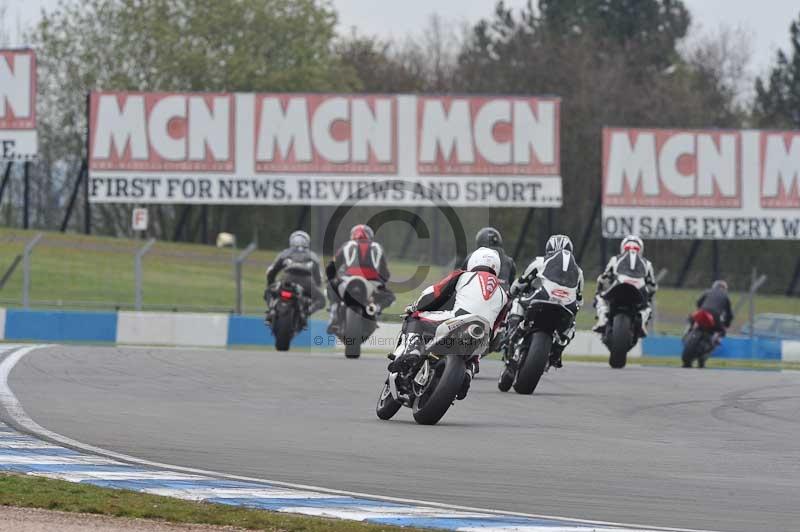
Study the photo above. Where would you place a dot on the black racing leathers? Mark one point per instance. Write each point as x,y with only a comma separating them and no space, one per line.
300,265
718,304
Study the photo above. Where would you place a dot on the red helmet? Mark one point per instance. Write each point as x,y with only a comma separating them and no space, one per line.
361,232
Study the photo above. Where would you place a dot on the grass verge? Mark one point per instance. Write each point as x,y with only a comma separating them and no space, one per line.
76,271
37,492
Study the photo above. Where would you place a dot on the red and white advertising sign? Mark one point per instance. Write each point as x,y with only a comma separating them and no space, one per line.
18,139
707,184
324,149
139,219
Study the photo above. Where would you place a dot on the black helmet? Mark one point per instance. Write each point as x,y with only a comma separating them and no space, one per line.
488,237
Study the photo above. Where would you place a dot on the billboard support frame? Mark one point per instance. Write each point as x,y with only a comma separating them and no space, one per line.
794,280
688,263
26,195
587,232
715,271
523,232
182,220
76,188
6,177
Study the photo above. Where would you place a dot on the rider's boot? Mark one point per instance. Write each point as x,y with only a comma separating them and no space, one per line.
645,315
555,356
409,352
472,370
602,321
601,307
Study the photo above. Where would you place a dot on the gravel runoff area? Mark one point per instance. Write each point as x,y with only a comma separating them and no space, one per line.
36,520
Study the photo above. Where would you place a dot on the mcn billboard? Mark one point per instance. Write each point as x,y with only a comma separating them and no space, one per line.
701,184
18,139
324,149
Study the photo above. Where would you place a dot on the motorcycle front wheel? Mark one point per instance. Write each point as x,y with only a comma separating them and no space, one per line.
621,341
533,366
387,405
441,392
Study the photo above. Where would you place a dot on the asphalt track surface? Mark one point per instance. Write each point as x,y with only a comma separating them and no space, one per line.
711,449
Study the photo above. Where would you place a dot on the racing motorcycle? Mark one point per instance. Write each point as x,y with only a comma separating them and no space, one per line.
625,299
287,311
530,344
441,374
357,317
700,340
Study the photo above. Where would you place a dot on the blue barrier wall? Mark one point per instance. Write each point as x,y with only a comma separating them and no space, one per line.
60,326
75,326
250,330
737,347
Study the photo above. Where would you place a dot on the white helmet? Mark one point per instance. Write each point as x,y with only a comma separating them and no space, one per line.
299,239
485,257
557,243
632,242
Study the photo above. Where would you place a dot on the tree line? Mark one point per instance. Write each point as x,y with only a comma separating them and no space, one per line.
613,62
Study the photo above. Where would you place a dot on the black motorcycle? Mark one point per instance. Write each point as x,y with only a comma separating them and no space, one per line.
626,298
357,317
700,339
287,312
442,373
530,344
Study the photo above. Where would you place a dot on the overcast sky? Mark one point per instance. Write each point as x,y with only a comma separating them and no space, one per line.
767,21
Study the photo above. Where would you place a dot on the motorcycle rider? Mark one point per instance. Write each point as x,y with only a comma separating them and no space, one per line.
717,302
476,290
631,243
558,265
364,257
489,237
299,265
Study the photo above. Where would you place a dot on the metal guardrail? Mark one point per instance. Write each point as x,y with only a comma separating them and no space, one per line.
26,269
137,268
238,262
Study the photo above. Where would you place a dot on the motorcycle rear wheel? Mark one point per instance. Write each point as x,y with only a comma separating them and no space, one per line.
691,348
352,336
533,366
621,341
283,329
440,394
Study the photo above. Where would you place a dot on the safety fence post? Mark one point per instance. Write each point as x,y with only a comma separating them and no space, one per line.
238,262
26,269
137,269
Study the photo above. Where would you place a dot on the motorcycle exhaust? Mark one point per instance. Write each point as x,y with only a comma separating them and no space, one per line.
476,331
371,309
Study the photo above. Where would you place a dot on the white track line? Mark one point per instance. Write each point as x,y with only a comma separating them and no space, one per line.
18,415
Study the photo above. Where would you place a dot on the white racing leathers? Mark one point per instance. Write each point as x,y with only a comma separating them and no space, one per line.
554,278
461,292
631,265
